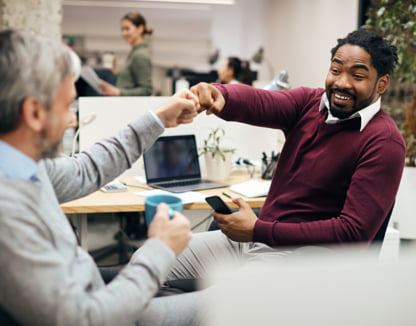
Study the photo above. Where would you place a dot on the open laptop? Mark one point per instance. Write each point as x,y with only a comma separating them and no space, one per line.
172,164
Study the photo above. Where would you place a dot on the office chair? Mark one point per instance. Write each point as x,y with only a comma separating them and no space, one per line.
132,226
84,89
6,319
382,230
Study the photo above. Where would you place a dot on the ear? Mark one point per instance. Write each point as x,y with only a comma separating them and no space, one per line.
33,114
140,29
383,83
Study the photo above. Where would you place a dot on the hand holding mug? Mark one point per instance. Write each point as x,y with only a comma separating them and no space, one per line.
175,233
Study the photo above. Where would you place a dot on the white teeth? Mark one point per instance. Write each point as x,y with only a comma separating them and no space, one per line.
342,97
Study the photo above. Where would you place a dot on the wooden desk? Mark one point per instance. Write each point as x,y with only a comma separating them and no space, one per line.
128,201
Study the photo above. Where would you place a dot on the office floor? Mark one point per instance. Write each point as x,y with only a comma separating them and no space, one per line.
103,227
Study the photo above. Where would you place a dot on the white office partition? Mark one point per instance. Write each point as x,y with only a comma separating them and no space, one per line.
113,113
343,288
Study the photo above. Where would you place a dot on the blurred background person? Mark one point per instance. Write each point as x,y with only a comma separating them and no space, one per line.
135,77
235,71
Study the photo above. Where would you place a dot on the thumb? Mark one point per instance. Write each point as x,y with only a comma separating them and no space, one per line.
240,202
191,96
162,210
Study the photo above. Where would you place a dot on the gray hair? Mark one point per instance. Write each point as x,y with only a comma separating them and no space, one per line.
31,66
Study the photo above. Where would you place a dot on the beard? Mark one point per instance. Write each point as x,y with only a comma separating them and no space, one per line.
341,114
357,106
47,149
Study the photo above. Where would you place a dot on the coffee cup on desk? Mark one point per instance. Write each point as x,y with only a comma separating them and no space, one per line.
151,203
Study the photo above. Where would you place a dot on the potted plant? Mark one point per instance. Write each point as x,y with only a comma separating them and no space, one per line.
218,159
395,20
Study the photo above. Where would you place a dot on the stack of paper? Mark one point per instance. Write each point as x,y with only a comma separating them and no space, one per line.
91,77
252,188
187,197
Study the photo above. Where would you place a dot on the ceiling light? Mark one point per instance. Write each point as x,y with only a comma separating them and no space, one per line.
150,4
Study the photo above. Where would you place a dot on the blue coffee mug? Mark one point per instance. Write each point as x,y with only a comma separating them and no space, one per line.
151,203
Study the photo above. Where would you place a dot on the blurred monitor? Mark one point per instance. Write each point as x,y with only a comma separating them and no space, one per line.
84,89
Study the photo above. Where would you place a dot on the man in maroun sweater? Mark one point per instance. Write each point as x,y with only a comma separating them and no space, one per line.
46,278
338,172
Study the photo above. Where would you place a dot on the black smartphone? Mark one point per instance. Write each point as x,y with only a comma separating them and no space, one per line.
218,205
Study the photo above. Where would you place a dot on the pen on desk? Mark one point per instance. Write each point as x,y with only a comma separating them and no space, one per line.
137,186
227,195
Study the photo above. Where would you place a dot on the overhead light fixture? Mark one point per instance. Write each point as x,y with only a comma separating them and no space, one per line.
259,57
149,4
213,57
210,2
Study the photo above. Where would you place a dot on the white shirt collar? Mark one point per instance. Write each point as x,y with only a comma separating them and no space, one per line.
366,114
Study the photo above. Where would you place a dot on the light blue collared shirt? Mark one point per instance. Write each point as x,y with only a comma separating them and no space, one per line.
157,119
16,165
366,114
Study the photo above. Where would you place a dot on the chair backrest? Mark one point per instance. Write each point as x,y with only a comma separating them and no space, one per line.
382,230
6,319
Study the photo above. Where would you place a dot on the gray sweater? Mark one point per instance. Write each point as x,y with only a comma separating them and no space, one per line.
45,277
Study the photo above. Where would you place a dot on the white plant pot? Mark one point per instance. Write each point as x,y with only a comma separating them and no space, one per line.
216,168
404,213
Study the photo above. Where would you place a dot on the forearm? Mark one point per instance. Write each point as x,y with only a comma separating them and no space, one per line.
44,290
76,177
123,300
260,107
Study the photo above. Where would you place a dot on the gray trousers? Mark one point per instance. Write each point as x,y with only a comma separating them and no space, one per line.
204,252
206,249
175,310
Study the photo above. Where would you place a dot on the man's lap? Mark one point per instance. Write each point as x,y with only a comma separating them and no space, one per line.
208,249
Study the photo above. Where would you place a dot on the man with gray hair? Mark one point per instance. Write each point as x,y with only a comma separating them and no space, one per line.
46,278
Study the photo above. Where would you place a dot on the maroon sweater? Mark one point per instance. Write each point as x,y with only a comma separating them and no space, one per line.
333,183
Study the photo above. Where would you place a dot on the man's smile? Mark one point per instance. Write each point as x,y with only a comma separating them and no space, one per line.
342,99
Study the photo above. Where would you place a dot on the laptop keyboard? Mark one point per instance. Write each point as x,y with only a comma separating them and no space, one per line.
181,183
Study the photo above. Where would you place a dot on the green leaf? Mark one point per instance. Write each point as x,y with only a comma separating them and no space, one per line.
409,24
381,11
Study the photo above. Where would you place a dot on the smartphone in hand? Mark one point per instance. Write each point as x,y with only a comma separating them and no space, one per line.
218,205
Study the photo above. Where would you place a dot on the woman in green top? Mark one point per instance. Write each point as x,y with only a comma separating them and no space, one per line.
135,77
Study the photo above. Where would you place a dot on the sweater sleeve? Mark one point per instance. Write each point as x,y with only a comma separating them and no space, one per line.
258,107
141,72
369,198
39,286
86,172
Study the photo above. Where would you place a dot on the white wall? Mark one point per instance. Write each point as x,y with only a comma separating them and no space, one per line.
297,35
302,34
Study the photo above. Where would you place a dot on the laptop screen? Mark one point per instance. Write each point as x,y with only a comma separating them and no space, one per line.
172,158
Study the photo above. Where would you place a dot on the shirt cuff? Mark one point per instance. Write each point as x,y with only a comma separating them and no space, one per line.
157,256
157,119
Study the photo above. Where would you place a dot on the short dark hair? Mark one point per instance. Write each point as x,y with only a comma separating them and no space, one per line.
242,71
137,19
383,55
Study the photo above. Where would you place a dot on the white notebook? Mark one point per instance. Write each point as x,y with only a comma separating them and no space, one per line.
252,188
